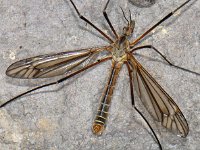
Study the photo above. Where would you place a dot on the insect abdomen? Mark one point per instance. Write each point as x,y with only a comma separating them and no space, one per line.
102,114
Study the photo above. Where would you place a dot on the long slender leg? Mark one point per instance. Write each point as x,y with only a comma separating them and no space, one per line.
156,50
56,82
90,23
133,103
108,21
158,23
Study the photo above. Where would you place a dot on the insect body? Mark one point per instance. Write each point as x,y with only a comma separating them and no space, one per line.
159,104
119,50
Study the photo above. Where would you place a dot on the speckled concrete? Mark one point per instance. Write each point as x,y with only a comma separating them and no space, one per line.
60,117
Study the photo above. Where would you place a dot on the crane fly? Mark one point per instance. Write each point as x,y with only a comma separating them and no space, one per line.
120,52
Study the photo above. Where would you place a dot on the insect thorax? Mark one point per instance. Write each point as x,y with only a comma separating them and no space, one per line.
120,47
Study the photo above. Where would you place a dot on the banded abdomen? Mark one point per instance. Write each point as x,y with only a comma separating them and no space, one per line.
102,113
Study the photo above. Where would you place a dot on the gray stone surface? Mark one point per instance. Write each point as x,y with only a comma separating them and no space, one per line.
143,3
60,117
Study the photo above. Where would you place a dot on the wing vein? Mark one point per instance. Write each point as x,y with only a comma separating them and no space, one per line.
151,96
159,94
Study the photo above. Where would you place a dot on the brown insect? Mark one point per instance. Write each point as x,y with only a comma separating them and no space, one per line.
120,51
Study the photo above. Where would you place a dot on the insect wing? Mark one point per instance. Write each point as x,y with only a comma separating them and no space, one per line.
45,66
159,104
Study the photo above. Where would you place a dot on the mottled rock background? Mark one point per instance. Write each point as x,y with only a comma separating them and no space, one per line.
60,117
143,3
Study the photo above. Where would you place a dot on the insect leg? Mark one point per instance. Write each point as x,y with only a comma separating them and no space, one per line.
133,104
90,23
157,24
108,21
156,50
56,82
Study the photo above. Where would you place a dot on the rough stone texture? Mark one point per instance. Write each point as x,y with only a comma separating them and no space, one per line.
60,117
143,3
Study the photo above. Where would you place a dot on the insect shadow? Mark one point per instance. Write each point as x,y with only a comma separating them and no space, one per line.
143,3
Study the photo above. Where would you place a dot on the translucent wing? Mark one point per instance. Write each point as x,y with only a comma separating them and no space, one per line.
159,104
45,66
